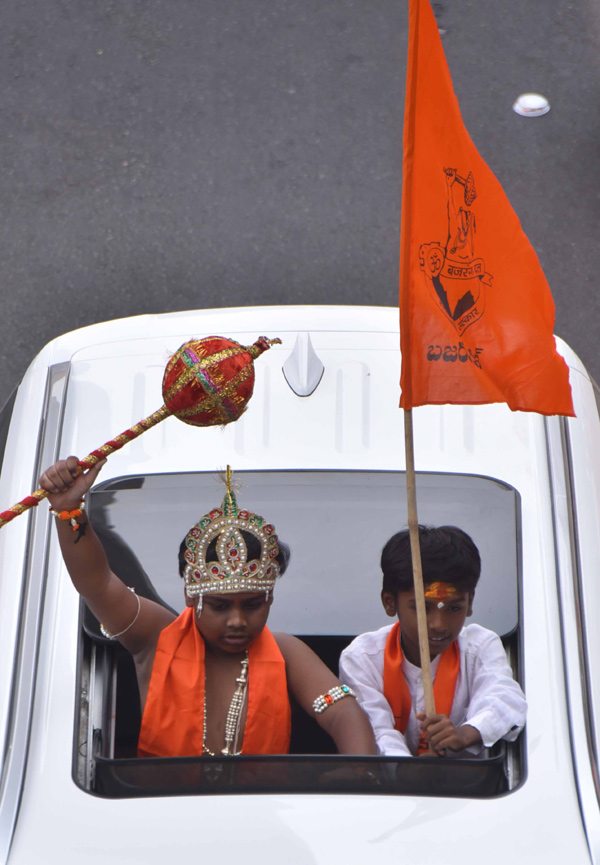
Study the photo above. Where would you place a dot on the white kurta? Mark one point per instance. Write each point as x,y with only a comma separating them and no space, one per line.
486,696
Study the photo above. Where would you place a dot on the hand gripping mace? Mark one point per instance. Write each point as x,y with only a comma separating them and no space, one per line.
207,382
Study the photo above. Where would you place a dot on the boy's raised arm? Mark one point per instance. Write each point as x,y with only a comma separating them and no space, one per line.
308,678
108,598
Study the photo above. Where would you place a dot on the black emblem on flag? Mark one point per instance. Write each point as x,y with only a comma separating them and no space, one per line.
456,278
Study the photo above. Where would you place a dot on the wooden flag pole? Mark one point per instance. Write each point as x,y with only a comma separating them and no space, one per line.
415,549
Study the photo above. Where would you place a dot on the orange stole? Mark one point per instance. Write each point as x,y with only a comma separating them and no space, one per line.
395,689
173,721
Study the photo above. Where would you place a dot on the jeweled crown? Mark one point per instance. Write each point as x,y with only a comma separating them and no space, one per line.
232,572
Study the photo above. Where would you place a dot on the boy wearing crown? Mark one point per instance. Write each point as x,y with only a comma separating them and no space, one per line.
213,680
476,698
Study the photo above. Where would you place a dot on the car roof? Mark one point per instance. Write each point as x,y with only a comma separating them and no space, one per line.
113,374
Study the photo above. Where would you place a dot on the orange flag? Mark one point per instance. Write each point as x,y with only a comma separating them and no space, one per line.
476,313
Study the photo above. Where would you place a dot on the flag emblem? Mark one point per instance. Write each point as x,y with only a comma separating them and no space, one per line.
455,277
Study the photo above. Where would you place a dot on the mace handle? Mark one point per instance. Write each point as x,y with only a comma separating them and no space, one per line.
90,460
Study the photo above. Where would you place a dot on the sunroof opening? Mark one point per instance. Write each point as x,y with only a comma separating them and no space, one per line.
336,523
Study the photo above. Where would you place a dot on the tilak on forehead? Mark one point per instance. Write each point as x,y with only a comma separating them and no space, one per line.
442,593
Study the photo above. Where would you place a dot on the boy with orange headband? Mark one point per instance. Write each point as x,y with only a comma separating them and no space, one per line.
477,700
213,680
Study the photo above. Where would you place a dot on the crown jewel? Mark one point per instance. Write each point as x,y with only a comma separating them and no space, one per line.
232,572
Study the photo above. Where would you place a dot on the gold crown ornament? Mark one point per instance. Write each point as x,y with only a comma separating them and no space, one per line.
232,572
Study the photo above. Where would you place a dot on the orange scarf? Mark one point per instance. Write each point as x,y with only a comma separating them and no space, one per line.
173,721
395,689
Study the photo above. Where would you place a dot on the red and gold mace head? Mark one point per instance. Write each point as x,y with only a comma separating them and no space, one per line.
208,382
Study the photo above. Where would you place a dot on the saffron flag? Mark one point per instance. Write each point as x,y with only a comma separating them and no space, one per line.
476,312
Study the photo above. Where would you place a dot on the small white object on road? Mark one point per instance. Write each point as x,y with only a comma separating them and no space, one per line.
531,105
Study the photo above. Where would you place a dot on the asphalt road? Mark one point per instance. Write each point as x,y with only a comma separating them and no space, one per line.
163,156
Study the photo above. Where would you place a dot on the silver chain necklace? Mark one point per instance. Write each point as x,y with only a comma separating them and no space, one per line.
234,715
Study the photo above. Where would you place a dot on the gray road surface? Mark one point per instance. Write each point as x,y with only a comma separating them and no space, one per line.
162,156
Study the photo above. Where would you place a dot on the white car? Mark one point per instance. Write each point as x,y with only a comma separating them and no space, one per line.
320,453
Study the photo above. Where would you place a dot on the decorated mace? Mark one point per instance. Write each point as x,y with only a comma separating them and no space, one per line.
207,382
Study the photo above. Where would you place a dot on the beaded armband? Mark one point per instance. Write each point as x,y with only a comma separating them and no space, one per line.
324,701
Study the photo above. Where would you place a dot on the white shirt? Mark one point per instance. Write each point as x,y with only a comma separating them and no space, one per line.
486,696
